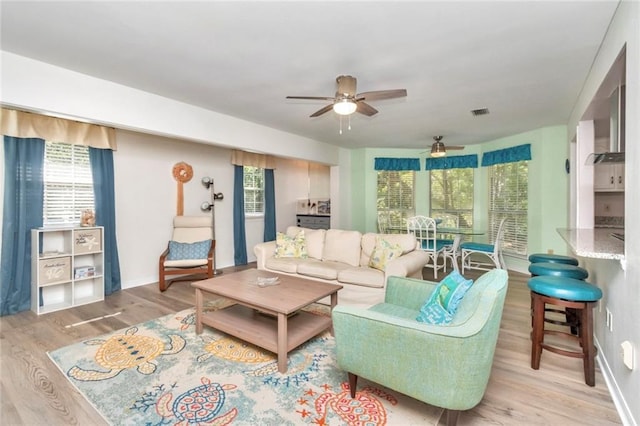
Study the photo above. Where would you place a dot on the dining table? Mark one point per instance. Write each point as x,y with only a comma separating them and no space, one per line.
457,233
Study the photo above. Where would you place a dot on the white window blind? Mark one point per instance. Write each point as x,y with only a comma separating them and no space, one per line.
253,190
396,197
451,194
68,184
509,197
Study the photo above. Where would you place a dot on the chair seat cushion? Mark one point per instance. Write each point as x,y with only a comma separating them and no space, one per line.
552,258
558,270
489,248
440,244
565,288
183,251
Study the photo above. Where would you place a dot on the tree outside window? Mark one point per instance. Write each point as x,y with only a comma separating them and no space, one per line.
395,197
253,190
451,197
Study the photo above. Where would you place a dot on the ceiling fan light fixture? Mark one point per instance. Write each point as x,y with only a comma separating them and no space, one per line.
344,106
438,150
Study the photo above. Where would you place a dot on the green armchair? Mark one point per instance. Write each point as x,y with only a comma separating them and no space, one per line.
445,366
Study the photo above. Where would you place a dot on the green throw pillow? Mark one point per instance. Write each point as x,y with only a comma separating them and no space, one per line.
383,253
287,246
443,302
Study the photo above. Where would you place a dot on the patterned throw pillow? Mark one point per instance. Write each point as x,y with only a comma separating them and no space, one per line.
287,246
384,252
444,301
184,251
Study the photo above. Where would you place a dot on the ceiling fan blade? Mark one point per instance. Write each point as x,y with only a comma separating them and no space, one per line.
366,109
322,98
382,94
455,147
322,110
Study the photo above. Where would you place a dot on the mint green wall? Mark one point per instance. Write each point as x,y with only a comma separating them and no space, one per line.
548,186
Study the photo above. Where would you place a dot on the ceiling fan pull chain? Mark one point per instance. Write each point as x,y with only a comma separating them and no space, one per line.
340,124
349,128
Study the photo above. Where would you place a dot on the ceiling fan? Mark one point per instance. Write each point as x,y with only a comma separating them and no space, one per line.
346,101
439,150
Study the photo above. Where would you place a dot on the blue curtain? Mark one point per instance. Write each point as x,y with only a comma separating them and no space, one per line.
239,233
382,163
507,155
269,206
23,195
453,162
104,195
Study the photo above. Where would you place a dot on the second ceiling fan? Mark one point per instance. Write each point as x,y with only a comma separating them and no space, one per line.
346,101
438,148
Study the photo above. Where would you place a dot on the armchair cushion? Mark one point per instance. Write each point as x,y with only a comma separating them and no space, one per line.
384,252
183,251
287,246
443,302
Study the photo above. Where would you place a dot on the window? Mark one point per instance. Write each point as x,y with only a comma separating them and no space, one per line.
452,196
508,197
68,183
253,190
396,197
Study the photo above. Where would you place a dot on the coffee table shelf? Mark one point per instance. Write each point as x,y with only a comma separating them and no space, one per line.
262,329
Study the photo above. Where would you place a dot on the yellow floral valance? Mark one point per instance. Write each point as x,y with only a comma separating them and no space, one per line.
243,158
29,125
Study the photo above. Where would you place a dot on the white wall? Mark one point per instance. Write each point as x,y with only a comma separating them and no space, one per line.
146,197
620,282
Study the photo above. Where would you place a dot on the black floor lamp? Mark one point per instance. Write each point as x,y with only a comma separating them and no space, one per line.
210,205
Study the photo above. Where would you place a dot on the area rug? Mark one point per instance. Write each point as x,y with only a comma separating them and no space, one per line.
160,372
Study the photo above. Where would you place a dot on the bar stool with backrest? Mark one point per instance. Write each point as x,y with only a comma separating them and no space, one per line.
569,293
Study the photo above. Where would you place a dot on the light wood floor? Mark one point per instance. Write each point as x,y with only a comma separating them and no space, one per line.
34,392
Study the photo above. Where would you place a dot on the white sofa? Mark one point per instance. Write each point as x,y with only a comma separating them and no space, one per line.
342,257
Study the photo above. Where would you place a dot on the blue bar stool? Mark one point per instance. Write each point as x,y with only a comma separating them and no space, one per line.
552,258
569,293
558,270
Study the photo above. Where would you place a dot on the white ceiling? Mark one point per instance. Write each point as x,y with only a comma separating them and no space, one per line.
524,61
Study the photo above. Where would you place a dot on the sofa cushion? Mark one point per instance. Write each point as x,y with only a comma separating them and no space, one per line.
407,242
314,240
383,253
443,302
362,276
342,246
327,270
284,264
183,251
287,246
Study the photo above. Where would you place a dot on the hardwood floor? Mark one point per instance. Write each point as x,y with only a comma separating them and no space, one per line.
34,392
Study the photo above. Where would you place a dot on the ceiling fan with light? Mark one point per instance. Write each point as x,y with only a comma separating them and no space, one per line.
346,101
439,150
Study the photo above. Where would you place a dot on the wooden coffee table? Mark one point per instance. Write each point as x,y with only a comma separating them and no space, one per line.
265,316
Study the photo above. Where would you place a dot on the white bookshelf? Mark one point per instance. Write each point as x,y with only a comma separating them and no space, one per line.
67,267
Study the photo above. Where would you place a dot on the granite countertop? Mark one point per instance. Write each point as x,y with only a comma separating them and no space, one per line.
596,243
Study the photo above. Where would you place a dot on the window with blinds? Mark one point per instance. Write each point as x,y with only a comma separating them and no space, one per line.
68,184
396,197
253,190
508,197
451,196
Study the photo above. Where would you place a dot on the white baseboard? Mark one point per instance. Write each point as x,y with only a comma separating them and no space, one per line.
618,399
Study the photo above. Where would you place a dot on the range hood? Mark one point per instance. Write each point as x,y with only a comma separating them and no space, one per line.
605,157
616,131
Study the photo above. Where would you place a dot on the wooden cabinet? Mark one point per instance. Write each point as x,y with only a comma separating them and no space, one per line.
608,177
66,267
313,221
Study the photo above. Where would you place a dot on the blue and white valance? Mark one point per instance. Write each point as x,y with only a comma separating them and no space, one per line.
383,163
453,162
507,155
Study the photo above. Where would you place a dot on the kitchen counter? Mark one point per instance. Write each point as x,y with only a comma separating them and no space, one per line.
596,243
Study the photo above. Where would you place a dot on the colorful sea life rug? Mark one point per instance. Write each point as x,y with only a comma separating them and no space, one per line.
160,372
